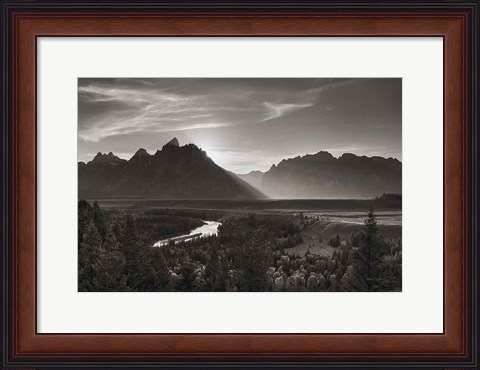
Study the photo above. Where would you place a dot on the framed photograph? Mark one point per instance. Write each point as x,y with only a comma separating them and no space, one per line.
240,184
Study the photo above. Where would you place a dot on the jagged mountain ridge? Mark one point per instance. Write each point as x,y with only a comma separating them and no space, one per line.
109,158
186,172
174,172
321,175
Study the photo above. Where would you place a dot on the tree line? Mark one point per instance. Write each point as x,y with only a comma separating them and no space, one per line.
247,255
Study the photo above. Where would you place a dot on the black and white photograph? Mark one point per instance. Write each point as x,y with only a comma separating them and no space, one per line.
239,184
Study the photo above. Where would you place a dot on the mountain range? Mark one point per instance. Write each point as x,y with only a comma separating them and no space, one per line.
186,172
321,175
175,172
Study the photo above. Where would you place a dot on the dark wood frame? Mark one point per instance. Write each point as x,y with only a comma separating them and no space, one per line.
456,21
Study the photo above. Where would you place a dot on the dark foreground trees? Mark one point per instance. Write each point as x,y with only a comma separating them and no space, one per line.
247,255
374,267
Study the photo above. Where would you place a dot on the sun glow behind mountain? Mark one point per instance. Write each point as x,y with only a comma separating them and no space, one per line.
243,124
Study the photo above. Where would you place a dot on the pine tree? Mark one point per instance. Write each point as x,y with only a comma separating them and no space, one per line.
98,220
253,260
188,276
87,257
368,270
84,217
109,266
215,271
160,269
135,256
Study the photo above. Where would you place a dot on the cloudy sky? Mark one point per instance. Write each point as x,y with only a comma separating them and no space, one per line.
243,124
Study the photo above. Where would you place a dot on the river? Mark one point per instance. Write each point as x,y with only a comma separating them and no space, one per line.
210,228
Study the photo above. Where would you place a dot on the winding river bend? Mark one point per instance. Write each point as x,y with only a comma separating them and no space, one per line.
210,228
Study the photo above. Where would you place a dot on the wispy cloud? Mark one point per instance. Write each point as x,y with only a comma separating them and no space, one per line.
97,134
278,110
305,98
111,107
106,112
330,84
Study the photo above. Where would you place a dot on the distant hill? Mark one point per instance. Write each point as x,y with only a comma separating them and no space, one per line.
253,178
175,172
321,175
